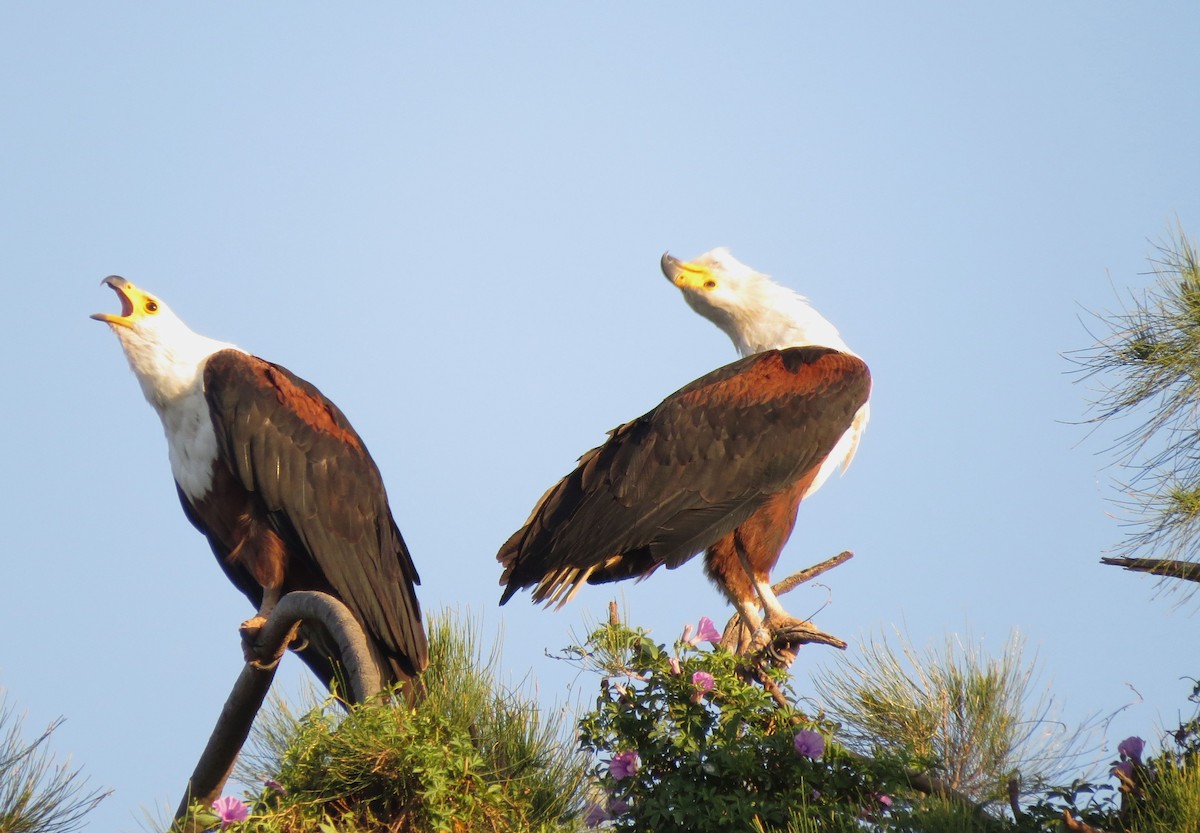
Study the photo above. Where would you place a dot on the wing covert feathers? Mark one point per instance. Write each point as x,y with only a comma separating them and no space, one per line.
667,485
295,449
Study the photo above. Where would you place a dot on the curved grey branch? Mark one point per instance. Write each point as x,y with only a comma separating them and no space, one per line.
362,674
244,701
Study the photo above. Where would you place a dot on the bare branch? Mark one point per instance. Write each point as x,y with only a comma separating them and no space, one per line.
244,701
362,675
1186,570
796,579
226,740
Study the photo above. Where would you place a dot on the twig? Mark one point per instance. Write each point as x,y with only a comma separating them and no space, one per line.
772,688
1128,785
796,579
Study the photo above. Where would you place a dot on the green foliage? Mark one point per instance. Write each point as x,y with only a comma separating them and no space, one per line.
672,750
470,757
1146,361
1172,799
1093,804
37,796
717,760
1162,795
974,720
725,759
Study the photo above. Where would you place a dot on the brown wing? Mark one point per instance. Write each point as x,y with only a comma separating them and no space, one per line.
297,452
667,485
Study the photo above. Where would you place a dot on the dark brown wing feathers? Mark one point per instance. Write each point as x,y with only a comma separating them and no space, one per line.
670,483
295,450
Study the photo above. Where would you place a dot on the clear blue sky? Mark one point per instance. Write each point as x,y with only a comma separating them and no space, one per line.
449,218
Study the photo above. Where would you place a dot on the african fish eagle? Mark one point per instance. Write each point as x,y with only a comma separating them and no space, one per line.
278,481
720,465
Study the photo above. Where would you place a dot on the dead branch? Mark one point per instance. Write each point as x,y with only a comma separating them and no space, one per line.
1186,570
796,579
250,689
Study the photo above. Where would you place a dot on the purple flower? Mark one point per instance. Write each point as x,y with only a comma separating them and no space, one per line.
1124,768
274,786
810,744
230,809
623,764
706,631
703,681
595,815
1131,748
598,813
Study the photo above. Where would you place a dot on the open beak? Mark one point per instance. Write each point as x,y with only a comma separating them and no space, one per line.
129,295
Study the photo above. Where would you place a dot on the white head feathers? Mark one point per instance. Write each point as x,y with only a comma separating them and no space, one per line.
754,311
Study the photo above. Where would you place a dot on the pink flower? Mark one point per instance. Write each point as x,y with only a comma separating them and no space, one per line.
703,681
230,809
675,669
810,744
707,632
884,800
623,764
1132,748
704,631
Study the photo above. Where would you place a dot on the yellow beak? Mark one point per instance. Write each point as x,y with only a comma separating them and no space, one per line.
684,275
132,302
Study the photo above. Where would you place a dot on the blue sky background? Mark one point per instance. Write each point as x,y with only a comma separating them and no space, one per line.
449,218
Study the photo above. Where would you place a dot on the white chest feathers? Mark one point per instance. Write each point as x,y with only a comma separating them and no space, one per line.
843,452
191,440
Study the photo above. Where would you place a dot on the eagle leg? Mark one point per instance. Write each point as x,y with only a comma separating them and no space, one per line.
779,634
741,628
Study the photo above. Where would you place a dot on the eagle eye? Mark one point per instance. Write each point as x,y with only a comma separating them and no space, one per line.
710,284
151,306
